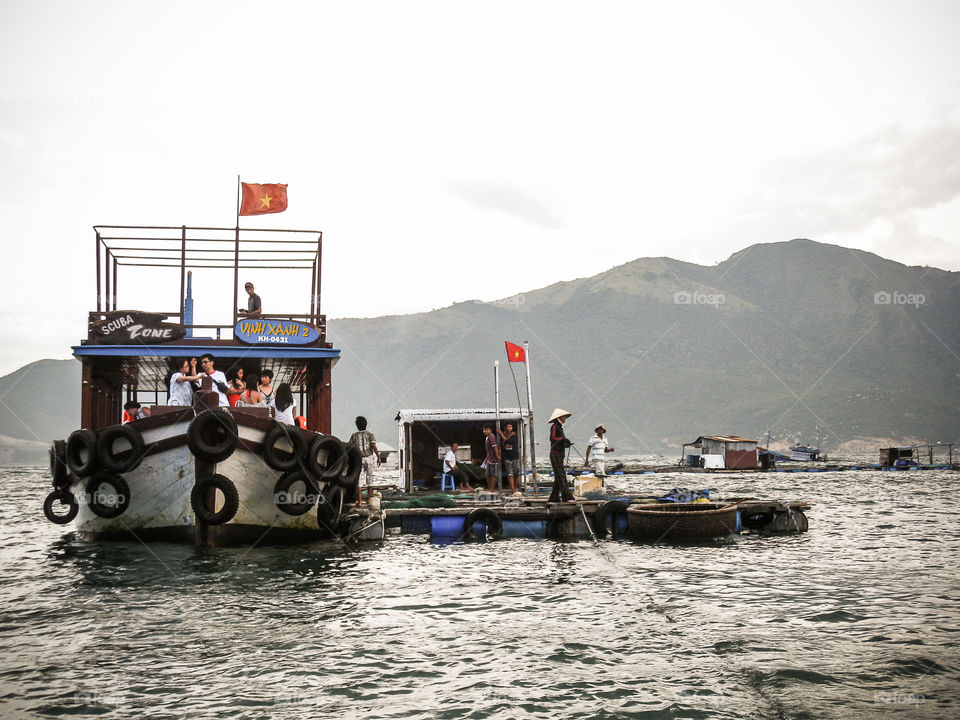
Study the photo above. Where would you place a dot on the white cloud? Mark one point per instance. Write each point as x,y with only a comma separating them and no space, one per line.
454,151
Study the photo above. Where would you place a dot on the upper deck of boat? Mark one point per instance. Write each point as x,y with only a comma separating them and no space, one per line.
142,328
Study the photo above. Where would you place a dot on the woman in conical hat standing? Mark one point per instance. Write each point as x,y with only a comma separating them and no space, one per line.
558,448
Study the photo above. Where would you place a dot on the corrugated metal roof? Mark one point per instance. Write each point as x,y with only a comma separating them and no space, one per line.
722,438
439,414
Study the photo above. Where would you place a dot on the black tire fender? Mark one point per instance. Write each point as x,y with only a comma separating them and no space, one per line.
598,523
109,458
330,509
81,452
335,456
65,497
212,435
492,521
756,520
95,496
231,499
291,503
59,472
353,464
282,431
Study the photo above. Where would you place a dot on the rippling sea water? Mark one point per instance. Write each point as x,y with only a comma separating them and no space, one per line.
859,618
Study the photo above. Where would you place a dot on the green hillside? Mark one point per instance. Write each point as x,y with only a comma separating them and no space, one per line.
784,337
38,402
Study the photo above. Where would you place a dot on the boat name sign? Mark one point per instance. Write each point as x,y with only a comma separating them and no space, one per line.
275,332
123,327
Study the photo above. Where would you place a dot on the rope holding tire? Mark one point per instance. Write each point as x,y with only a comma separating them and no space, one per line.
283,432
293,502
120,460
329,509
352,466
109,503
493,525
64,497
81,452
334,456
231,499
213,435
59,472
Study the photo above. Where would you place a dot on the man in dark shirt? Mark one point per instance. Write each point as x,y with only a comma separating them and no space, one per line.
558,449
253,302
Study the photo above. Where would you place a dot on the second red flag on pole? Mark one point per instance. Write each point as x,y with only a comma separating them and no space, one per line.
515,353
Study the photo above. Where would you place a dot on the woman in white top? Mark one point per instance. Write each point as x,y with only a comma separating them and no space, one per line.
285,409
181,390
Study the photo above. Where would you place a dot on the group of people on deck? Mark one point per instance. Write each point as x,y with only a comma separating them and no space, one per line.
187,379
234,392
510,456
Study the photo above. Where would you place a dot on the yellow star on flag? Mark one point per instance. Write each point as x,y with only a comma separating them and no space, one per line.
265,201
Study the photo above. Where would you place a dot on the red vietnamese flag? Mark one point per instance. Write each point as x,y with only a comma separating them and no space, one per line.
515,353
263,199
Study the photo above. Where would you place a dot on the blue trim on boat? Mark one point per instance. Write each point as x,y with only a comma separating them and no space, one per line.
255,351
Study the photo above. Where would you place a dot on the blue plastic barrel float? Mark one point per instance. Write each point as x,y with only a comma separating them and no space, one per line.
448,526
524,528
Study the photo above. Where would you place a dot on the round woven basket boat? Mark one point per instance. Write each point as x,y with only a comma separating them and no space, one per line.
663,521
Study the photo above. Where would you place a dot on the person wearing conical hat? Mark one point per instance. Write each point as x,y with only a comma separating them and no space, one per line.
598,446
558,448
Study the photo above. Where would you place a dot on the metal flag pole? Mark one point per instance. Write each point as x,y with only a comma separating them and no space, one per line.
236,259
533,445
496,383
520,432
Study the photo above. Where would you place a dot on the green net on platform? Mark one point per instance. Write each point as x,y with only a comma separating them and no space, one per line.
428,501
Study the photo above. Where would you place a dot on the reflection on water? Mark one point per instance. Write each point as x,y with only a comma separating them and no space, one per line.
858,618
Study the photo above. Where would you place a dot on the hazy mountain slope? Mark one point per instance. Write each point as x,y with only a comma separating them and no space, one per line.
38,402
781,337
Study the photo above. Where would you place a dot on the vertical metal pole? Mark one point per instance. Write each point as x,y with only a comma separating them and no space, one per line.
319,269
116,282
533,444
313,298
496,383
106,264
236,260
98,270
183,272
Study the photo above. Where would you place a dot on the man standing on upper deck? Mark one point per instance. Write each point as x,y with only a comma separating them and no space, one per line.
253,302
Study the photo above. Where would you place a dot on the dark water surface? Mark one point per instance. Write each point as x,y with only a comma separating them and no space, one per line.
859,618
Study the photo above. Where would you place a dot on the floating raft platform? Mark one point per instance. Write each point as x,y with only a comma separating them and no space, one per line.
532,518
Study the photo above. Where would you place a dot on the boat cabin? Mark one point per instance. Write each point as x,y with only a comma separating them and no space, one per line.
145,324
426,435
721,452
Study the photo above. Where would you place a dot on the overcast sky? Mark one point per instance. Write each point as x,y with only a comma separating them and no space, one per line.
452,150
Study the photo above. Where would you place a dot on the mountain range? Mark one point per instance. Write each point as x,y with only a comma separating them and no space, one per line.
797,339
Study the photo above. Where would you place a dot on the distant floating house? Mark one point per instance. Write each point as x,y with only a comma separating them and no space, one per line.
721,452
906,455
